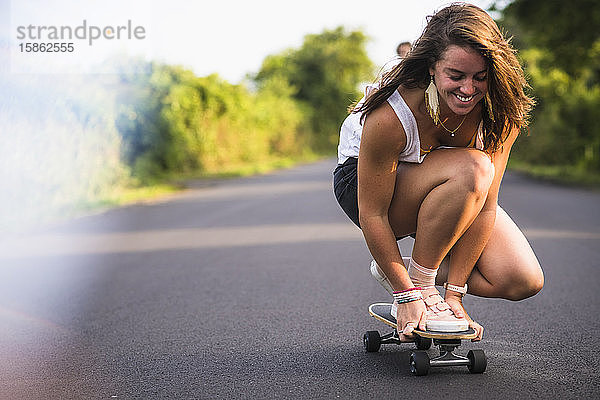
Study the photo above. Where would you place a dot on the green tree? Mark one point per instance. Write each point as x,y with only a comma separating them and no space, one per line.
324,74
560,47
567,29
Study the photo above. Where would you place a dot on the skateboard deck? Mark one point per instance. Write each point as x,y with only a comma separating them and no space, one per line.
381,312
420,361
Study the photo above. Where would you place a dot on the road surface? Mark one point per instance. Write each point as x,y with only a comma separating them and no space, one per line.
258,288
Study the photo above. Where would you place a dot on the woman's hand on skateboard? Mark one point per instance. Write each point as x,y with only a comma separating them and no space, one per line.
478,328
455,303
411,316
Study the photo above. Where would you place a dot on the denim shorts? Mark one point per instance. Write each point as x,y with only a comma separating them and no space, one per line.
345,183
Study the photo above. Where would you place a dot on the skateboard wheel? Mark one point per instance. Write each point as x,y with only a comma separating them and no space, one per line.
478,361
372,341
419,363
422,343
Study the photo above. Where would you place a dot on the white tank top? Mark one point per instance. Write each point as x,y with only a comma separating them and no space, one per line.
351,132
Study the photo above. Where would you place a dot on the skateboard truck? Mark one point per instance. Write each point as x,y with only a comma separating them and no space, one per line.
420,362
447,356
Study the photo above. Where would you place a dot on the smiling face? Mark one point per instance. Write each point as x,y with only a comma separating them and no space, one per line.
461,78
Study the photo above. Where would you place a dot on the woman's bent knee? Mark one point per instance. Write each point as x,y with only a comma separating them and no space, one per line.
524,286
476,172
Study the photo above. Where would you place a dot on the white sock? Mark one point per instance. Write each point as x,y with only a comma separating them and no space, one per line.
420,275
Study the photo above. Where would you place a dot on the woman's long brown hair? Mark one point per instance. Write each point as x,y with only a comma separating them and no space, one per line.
464,24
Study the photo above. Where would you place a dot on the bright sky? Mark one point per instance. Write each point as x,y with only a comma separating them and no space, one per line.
229,37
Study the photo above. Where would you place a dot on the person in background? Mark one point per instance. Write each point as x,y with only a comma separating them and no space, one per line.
403,49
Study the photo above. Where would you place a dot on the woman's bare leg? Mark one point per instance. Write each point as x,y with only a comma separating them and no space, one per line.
439,199
507,268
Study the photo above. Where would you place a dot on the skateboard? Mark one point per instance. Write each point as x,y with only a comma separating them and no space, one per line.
420,362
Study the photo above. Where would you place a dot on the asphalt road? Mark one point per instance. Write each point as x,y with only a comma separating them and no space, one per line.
258,288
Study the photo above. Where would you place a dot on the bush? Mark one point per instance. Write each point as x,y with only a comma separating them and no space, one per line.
563,62
325,74
60,149
564,129
178,123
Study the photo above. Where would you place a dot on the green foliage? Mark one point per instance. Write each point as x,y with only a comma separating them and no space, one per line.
61,148
324,74
173,122
560,46
138,120
564,128
568,29
178,123
88,141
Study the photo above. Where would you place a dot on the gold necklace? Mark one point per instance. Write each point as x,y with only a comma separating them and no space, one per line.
453,132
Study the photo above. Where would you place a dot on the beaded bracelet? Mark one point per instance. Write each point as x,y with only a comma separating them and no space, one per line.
406,292
408,295
409,299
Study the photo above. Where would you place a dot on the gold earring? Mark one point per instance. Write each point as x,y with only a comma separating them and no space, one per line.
488,103
432,102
